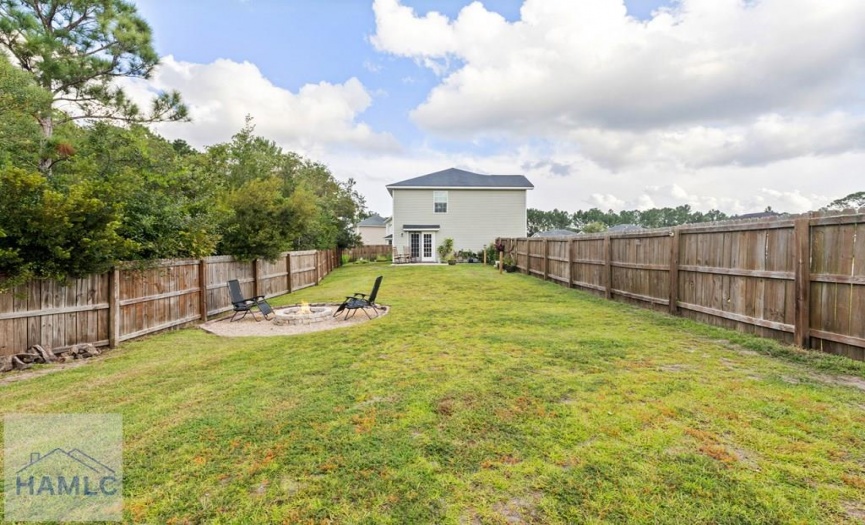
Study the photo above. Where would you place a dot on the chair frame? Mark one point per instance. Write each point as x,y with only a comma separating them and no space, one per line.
399,257
245,305
360,301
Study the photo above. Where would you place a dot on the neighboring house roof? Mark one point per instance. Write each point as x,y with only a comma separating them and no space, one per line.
388,237
556,233
624,228
456,178
375,220
758,215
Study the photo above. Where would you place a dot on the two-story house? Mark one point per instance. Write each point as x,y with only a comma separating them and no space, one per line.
372,230
470,208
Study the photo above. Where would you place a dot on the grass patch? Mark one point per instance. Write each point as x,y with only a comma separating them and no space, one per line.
480,398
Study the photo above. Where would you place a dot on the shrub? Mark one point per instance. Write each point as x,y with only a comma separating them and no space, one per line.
492,255
445,249
53,233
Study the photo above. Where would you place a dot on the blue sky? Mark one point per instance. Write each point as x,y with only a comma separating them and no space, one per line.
634,104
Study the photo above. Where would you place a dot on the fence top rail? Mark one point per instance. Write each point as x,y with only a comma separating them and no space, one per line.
220,258
158,263
816,218
720,227
305,252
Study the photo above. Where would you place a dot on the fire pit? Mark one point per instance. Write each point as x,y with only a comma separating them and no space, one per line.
303,314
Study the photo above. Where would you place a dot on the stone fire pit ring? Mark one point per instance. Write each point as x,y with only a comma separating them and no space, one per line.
293,315
318,321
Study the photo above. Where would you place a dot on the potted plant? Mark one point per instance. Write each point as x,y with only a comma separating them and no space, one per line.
509,265
452,260
445,249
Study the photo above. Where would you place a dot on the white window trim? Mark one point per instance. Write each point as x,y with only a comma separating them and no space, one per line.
446,202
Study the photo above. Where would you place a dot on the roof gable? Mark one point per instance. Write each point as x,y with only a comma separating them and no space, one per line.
457,178
373,220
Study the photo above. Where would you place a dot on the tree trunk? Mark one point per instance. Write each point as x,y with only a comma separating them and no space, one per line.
45,162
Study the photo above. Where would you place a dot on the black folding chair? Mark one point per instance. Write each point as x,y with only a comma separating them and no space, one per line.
244,305
360,301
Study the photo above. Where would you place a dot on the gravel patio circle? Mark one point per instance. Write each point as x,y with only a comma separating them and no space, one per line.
248,327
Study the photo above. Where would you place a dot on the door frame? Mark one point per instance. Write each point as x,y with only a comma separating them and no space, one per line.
421,233
432,257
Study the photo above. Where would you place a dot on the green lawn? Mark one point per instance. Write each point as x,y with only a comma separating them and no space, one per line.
481,398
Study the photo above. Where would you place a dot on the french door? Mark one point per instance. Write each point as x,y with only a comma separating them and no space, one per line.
422,245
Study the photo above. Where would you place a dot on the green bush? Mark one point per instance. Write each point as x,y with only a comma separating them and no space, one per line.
53,233
492,255
445,249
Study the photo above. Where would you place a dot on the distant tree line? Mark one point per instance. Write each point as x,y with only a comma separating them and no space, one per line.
594,220
85,184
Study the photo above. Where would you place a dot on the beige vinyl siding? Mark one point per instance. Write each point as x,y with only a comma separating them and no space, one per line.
474,217
372,234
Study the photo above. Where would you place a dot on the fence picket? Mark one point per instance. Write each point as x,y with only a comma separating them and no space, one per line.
129,302
800,280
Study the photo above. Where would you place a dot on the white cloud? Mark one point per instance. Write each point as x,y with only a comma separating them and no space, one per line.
605,201
220,94
710,82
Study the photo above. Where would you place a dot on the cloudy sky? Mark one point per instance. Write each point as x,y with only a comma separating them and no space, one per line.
728,104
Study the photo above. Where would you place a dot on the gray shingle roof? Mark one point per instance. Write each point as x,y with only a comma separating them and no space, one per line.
456,178
373,220
556,233
624,228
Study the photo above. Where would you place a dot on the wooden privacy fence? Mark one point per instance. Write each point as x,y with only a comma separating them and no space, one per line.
369,252
797,279
126,302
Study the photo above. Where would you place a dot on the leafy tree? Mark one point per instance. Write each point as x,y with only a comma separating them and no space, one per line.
171,204
595,227
653,218
317,210
75,50
854,201
264,222
20,98
52,234
539,221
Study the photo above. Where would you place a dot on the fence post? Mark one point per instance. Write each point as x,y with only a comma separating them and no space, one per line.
525,268
317,268
570,262
256,272
674,271
608,267
288,270
802,272
202,287
114,308
546,259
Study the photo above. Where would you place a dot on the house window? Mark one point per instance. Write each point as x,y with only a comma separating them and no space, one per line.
440,201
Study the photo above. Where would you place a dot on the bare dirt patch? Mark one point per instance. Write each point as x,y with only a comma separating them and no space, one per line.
519,510
248,327
854,511
13,377
674,368
851,381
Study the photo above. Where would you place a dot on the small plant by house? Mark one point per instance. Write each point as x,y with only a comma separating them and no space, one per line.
446,251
